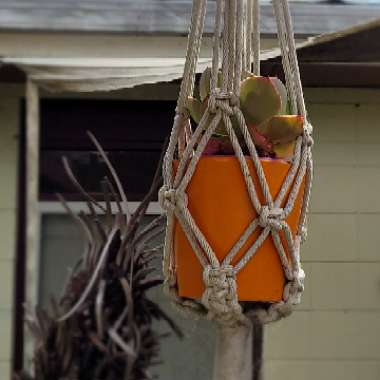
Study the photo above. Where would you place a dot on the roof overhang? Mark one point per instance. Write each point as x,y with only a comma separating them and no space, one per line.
348,58
96,74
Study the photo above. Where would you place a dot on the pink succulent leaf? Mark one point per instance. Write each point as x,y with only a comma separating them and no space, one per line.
226,146
259,139
213,147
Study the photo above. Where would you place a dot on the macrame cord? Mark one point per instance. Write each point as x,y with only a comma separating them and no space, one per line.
236,51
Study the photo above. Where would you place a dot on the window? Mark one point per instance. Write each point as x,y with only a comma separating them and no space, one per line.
132,133
133,139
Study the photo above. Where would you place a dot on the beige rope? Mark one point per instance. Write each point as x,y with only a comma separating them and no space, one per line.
283,38
193,46
232,22
256,36
239,48
238,22
225,47
293,58
216,48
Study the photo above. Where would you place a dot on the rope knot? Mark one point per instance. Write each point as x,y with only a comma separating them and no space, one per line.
182,111
271,217
225,101
308,135
218,94
220,296
170,199
303,234
293,289
309,128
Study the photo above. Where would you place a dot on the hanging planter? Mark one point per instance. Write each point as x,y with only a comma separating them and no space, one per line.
237,175
217,194
220,205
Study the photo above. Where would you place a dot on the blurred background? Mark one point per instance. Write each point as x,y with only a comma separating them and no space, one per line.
335,333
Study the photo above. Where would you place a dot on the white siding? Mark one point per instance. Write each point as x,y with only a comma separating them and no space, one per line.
335,334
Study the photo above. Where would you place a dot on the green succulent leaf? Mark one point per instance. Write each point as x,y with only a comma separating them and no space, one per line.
194,107
281,89
282,129
288,109
222,131
205,83
197,109
259,99
259,139
285,150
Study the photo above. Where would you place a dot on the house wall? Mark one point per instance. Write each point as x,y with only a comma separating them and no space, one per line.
335,333
9,125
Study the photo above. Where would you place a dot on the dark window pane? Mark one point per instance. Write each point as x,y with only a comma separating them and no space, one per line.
132,133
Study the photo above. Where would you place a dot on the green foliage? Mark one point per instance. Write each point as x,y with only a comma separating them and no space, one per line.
259,100
282,128
194,107
281,90
205,83
284,150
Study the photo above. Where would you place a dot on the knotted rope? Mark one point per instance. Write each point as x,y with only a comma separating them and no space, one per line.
220,297
236,49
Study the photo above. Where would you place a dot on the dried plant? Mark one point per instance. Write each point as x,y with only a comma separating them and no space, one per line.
101,328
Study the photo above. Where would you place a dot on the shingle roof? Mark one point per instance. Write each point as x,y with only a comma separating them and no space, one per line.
162,16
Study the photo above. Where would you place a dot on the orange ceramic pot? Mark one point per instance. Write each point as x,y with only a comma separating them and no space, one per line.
219,203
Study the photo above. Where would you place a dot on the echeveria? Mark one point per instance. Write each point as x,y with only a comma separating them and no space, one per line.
264,104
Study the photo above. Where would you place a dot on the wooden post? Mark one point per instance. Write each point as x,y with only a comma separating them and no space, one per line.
233,356
32,192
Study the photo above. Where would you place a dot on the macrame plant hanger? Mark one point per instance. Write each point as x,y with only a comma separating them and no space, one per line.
236,54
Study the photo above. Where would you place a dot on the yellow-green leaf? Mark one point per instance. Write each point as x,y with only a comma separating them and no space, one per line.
205,83
281,89
259,99
282,128
194,107
285,150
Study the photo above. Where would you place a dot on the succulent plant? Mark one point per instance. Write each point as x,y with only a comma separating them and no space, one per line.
259,99
264,103
197,107
265,106
205,83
